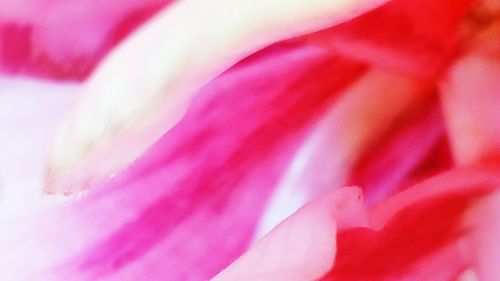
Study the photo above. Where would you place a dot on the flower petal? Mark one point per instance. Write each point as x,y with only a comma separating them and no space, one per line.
419,234
471,100
65,39
190,205
362,118
415,147
144,87
303,246
417,38
485,219
422,233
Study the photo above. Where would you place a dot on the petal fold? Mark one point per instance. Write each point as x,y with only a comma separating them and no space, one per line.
422,233
144,87
303,246
191,204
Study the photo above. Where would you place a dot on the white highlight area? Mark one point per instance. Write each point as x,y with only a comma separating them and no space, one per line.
30,111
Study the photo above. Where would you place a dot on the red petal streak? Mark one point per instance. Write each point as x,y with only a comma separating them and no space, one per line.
409,149
65,39
407,36
411,235
418,234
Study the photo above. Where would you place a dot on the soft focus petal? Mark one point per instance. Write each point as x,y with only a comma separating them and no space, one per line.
191,204
413,148
435,230
382,114
217,129
419,234
417,38
303,246
143,88
485,219
471,100
65,39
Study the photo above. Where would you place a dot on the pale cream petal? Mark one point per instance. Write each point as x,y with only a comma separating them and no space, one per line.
144,87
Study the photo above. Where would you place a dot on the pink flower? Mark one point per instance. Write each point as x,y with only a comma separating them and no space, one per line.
216,120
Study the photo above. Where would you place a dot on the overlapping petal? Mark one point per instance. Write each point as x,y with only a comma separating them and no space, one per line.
209,176
430,231
124,110
219,131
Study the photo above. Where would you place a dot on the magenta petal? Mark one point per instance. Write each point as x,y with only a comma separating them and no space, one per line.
65,39
217,168
145,86
190,206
